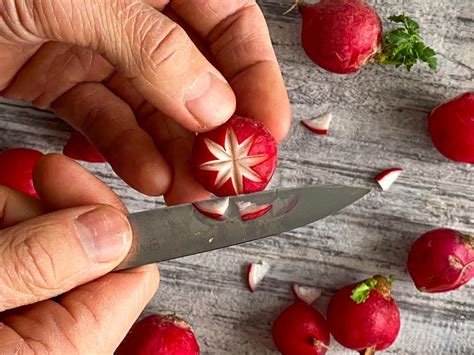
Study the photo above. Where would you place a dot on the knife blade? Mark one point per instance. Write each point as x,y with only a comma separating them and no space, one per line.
173,232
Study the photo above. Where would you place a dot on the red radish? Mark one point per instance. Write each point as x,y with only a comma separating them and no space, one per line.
255,274
79,148
16,169
157,334
363,316
213,208
301,330
238,157
318,125
306,294
441,260
386,178
451,126
249,210
342,36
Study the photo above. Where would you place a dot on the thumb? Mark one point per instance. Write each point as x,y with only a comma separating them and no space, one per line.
148,48
49,255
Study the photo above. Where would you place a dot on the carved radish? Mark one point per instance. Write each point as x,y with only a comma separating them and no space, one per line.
238,157
386,178
318,125
255,274
250,210
306,294
16,169
213,208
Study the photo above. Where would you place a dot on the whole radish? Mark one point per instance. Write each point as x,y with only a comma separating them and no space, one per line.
342,36
451,126
235,158
16,169
301,330
158,334
441,260
364,316
79,148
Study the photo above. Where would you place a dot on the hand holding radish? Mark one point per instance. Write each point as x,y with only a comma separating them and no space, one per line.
139,78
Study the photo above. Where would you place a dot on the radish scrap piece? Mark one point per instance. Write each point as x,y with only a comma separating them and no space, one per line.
306,294
318,125
250,210
255,274
213,208
386,178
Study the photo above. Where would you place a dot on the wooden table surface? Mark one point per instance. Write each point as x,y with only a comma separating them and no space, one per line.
379,122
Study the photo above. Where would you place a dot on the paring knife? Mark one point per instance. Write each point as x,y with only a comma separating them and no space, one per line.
173,232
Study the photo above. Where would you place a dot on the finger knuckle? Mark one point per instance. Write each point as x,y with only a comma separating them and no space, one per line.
84,315
34,266
160,40
15,26
100,106
35,346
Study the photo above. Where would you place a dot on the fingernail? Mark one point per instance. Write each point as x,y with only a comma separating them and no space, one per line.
210,100
104,233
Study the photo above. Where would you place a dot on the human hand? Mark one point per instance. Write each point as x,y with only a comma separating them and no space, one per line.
137,78
61,249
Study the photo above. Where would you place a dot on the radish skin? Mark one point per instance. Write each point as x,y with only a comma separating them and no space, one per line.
301,329
363,316
16,169
441,260
451,127
329,37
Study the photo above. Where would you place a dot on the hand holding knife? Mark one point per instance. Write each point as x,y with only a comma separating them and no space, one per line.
172,232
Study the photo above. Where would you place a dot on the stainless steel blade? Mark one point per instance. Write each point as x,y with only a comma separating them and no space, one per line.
178,231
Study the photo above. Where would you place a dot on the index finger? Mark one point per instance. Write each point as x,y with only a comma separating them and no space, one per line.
241,44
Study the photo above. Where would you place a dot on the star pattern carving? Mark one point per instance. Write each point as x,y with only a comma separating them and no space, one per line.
233,161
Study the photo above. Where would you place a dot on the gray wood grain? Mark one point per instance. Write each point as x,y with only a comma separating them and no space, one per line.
380,122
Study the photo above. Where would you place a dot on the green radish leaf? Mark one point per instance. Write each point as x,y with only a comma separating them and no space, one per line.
429,57
409,23
362,291
390,281
404,47
398,37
